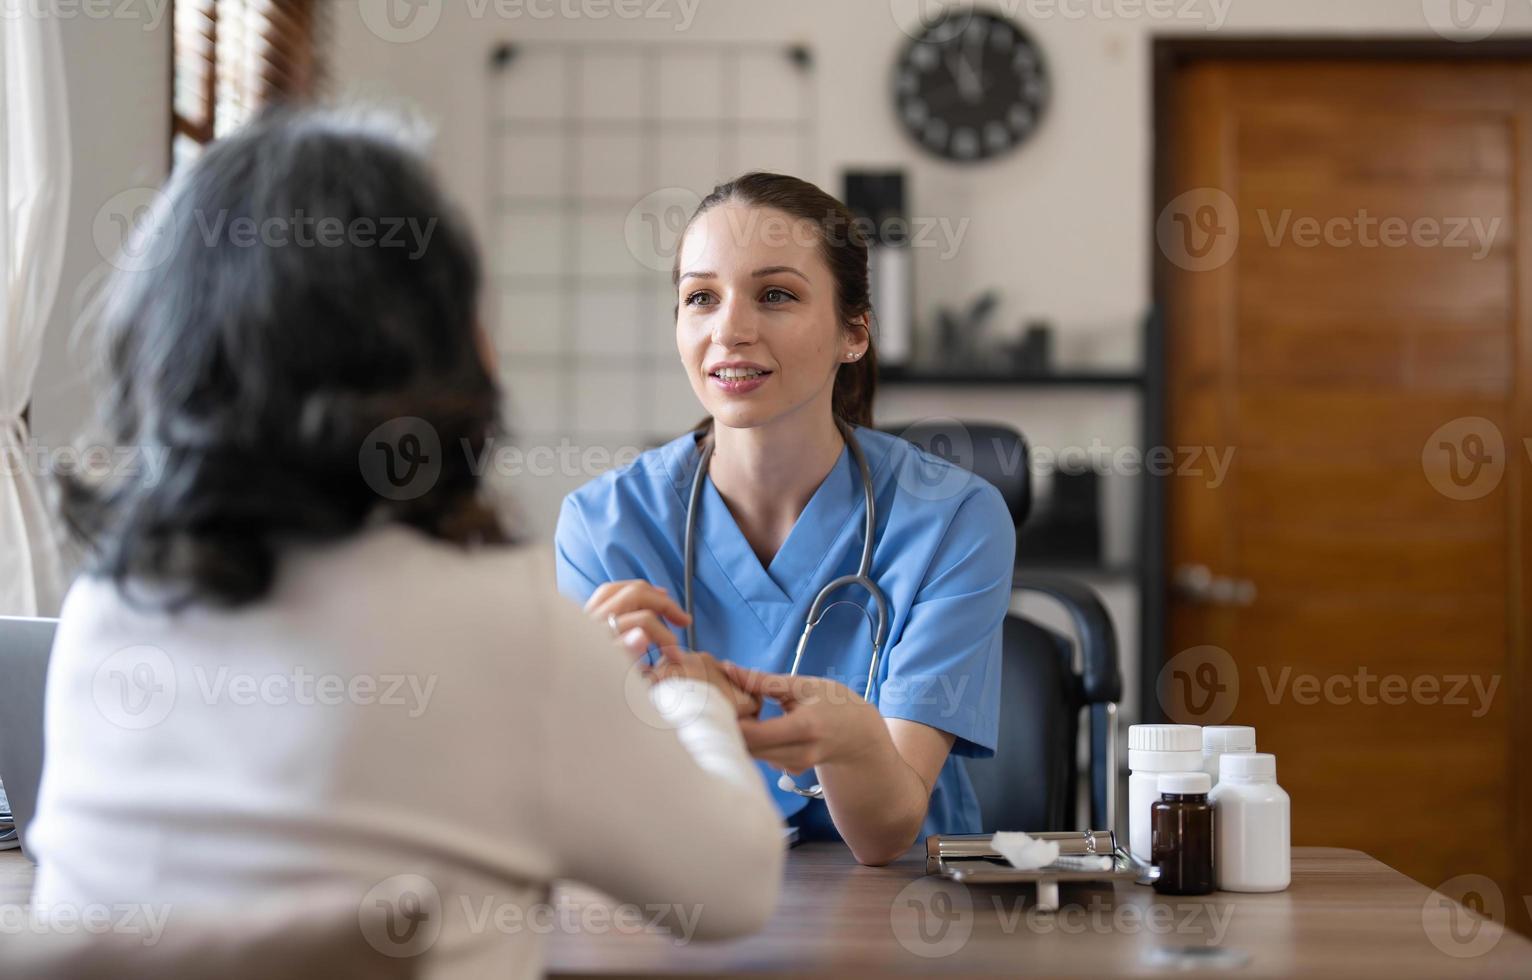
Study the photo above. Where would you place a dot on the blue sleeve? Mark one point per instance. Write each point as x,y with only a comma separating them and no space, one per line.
578,565
945,669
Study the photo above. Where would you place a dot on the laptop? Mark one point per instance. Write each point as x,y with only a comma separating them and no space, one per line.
24,648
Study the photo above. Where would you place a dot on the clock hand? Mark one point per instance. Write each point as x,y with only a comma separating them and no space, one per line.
967,79
978,63
954,65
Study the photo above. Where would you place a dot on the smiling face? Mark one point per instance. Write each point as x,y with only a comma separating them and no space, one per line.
757,324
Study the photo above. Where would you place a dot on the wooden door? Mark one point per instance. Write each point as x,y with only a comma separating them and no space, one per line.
1346,273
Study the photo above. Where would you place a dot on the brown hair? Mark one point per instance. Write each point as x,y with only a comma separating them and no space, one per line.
844,247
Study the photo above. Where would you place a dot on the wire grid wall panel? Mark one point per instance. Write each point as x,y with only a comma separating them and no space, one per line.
599,152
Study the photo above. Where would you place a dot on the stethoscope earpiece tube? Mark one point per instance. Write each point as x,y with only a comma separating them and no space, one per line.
863,578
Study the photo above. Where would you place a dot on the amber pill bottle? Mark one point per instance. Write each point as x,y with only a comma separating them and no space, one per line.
1181,828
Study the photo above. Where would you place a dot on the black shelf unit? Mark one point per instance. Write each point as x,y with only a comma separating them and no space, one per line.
1103,379
1092,569
1146,569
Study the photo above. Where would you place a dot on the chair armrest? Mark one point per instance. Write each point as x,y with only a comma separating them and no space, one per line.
1100,682
1100,678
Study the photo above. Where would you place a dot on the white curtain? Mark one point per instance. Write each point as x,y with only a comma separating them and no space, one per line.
34,174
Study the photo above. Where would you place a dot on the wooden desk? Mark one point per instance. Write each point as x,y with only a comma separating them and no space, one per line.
15,879
1345,915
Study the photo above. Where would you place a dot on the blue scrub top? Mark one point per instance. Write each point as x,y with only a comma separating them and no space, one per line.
943,555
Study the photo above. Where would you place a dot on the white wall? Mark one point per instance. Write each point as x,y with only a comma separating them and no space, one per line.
118,74
1062,226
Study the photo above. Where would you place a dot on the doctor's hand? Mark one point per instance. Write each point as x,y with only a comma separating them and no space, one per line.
823,721
676,662
637,613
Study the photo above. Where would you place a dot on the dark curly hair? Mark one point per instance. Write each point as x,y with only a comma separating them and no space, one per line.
299,286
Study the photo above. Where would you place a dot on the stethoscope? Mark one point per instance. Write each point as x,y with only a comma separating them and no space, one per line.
819,608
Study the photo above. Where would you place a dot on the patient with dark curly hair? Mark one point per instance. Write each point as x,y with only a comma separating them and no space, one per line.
303,657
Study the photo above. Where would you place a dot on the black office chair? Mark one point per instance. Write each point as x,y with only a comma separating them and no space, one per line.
1031,782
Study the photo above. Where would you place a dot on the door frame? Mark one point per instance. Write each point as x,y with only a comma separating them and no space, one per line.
1170,54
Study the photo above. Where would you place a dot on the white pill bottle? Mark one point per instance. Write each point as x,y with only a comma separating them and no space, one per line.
1153,749
1218,739
1254,817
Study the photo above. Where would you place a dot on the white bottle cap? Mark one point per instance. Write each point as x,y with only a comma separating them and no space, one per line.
1247,765
1164,748
1185,782
1165,738
1228,738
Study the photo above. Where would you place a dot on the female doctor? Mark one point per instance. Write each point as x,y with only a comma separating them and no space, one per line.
773,327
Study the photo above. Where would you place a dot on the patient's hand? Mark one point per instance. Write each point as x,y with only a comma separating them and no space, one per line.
637,613
677,662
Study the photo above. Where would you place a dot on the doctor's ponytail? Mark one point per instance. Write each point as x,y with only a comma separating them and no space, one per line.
844,246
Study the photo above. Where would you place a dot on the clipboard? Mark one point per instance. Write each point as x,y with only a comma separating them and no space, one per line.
972,860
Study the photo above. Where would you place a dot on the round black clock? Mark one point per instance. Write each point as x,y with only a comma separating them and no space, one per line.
972,86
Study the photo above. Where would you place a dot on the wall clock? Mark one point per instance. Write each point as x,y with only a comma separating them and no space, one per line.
971,86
